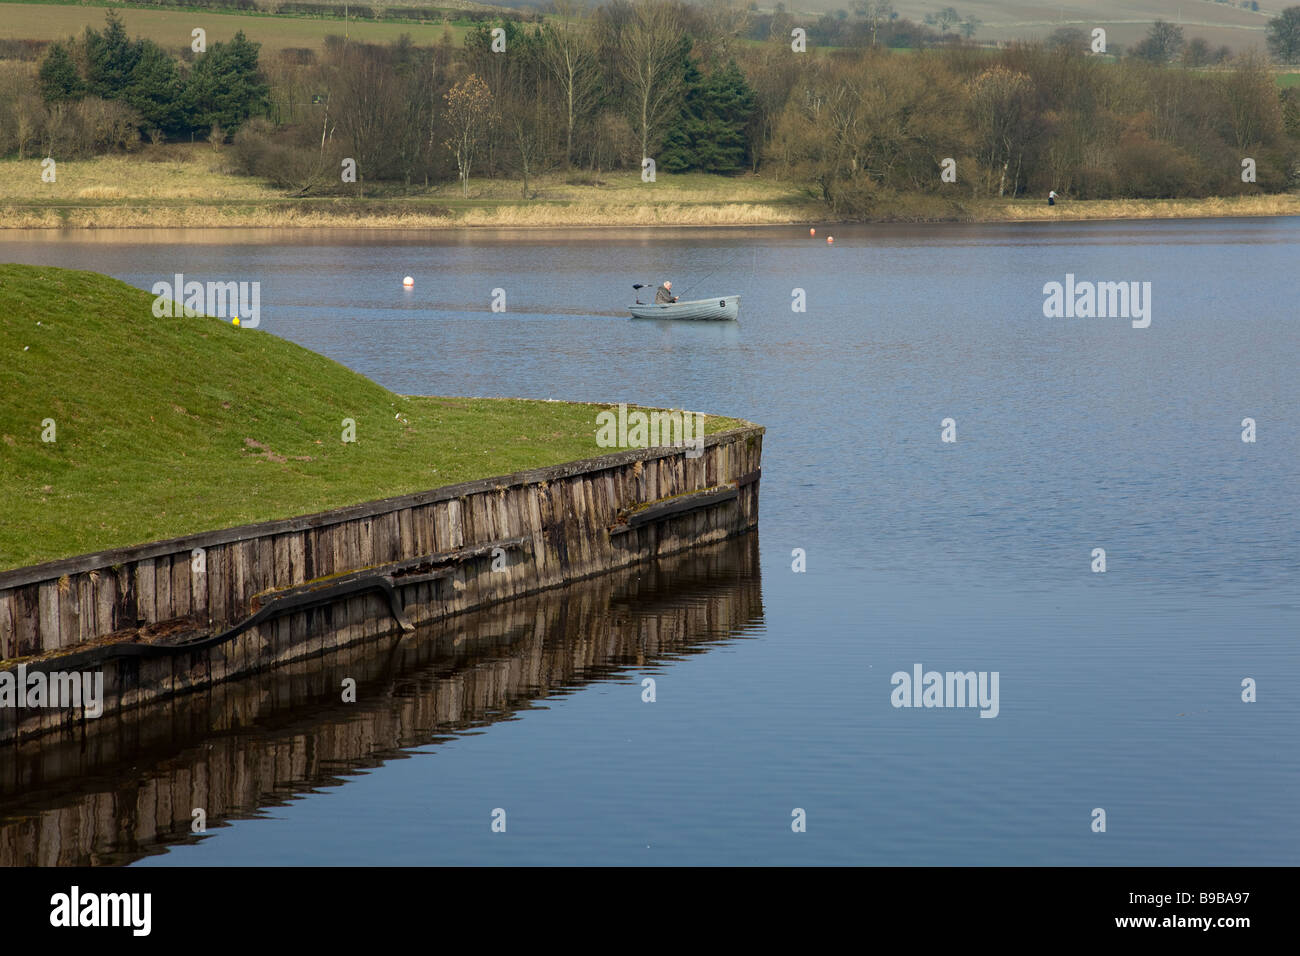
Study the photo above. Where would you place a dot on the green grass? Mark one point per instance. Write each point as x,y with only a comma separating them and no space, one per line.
167,427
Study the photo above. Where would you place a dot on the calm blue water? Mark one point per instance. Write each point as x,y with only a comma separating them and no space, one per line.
1119,690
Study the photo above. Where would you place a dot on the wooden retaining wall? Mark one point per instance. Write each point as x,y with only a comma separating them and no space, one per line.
129,788
433,552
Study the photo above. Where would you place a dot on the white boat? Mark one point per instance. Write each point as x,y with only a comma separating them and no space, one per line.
725,308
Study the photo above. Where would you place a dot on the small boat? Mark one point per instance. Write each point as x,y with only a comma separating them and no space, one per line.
725,308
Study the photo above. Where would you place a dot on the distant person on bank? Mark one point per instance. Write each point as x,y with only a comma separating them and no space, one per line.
665,294
1051,198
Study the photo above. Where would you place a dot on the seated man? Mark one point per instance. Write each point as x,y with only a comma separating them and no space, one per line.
665,294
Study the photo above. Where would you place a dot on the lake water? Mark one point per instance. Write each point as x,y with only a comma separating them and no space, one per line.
1119,690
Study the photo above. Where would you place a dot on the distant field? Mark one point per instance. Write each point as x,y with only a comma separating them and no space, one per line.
1125,21
171,28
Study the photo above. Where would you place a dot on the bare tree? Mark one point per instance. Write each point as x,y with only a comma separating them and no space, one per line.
30,117
525,116
1163,42
1284,35
469,113
721,24
1253,111
368,108
1001,102
875,12
570,55
652,60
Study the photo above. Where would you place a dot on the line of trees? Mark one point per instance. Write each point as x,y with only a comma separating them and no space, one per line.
586,91
105,90
1033,119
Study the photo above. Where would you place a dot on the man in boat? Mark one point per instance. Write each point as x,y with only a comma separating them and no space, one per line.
665,294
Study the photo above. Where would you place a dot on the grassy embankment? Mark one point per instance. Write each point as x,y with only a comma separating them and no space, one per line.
171,426
191,186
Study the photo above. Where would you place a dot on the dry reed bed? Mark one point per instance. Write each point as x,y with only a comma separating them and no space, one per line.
252,215
1285,204
130,214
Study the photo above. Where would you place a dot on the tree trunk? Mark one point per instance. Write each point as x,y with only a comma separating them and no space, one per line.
568,141
645,109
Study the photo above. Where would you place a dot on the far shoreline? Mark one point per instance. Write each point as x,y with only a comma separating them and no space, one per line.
1277,207
171,187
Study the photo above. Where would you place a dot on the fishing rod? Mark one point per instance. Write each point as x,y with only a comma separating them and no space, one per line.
736,255
716,269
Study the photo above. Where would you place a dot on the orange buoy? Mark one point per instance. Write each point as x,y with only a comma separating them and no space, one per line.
830,239
812,232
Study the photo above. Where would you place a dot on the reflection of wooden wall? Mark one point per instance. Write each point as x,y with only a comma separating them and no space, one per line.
129,787
565,512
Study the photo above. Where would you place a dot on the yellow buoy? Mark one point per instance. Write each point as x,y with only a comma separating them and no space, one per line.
235,321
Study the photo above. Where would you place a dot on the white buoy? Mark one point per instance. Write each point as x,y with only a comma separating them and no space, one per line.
408,282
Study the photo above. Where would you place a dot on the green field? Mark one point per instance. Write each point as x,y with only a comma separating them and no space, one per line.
171,28
171,426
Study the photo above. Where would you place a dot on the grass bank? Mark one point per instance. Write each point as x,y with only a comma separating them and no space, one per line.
165,427
192,186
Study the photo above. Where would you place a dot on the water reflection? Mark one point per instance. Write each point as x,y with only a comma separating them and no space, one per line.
128,788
